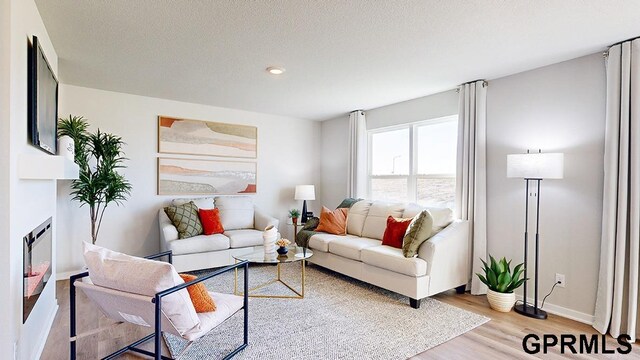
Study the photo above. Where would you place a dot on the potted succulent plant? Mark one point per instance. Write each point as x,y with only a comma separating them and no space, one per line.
501,282
294,214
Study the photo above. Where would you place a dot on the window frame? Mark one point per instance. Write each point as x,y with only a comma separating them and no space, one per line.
413,176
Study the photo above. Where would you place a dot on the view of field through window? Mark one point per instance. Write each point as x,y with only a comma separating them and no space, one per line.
415,163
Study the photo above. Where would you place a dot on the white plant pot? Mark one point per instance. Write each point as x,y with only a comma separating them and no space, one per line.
502,302
66,147
270,236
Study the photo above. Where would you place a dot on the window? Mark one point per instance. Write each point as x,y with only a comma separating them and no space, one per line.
415,162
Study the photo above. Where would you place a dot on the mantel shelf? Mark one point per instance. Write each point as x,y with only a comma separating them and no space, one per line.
46,167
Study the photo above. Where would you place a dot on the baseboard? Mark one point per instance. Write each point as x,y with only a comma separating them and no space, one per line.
564,312
49,323
65,275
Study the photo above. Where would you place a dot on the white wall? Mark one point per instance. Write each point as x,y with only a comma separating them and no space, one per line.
555,108
30,201
335,136
288,153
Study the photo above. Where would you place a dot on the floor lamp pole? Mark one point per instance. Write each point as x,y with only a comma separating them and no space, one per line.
524,309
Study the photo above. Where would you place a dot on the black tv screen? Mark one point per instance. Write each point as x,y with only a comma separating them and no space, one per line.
43,101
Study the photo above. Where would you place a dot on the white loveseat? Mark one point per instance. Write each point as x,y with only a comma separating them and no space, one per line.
442,262
243,224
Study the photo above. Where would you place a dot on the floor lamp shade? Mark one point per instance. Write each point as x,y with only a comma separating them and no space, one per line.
304,193
536,166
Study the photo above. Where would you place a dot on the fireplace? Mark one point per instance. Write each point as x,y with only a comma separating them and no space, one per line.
36,265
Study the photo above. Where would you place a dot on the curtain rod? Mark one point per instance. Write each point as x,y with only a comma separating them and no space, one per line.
484,84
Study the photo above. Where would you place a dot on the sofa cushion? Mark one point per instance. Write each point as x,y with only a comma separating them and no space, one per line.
442,217
376,220
351,247
390,258
357,214
321,241
236,212
202,203
198,244
244,238
136,275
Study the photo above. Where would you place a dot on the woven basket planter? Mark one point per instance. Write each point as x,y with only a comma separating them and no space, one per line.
502,302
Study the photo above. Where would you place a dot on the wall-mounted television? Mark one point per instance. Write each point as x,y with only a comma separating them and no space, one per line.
43,100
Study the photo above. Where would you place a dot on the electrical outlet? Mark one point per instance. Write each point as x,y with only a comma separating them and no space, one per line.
560,280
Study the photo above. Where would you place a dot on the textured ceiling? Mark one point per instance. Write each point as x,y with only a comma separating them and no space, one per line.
339,55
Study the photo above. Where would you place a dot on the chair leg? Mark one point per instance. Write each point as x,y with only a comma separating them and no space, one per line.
72,320
158,329
415,303
460,289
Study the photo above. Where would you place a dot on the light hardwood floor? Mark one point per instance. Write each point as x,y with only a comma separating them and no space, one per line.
500,338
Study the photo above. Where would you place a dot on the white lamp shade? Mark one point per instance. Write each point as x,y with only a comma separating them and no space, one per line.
536,166
305,192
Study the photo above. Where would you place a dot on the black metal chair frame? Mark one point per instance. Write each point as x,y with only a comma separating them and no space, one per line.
157,300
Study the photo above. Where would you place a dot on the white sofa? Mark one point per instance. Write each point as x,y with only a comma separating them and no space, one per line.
442,262
243,224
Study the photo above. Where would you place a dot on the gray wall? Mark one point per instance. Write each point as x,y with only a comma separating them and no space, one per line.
555,108
560,108
335,136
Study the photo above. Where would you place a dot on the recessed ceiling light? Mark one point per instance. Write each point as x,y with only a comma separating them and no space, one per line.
274,70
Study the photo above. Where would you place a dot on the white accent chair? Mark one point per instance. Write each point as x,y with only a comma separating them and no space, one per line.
243,224
154,296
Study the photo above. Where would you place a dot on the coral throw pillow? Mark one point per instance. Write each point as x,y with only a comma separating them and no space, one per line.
333,222
199,295
210,220
395,231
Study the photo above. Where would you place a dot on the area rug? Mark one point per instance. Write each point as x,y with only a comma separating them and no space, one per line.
339,318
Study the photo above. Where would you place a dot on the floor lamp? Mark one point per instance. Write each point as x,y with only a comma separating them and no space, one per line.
533,167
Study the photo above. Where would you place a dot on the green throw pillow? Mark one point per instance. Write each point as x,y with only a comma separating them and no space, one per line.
419,231
185,218
347,203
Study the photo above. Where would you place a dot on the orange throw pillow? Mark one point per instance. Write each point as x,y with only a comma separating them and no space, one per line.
199,295
394,233
333,222
210,220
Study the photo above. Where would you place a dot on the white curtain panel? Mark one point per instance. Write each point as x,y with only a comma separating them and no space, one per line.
471,175
357,174
617,299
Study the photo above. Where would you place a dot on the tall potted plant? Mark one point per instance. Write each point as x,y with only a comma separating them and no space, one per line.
99,156
501,282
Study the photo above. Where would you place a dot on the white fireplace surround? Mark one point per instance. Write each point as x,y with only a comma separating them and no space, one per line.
46,167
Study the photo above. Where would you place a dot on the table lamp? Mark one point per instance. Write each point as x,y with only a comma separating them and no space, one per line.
304,193
533,167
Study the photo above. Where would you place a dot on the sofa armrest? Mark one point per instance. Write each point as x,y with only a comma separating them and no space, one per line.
261,220
447,257
168,232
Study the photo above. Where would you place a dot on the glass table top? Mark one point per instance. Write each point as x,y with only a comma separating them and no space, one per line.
295,253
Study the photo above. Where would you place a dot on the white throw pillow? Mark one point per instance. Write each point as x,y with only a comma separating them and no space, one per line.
201,203
442,217
236,212
136,275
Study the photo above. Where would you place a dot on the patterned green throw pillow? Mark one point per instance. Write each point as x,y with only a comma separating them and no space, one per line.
419,231
185,218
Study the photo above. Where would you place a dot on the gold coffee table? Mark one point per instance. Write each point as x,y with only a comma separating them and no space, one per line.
295,254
